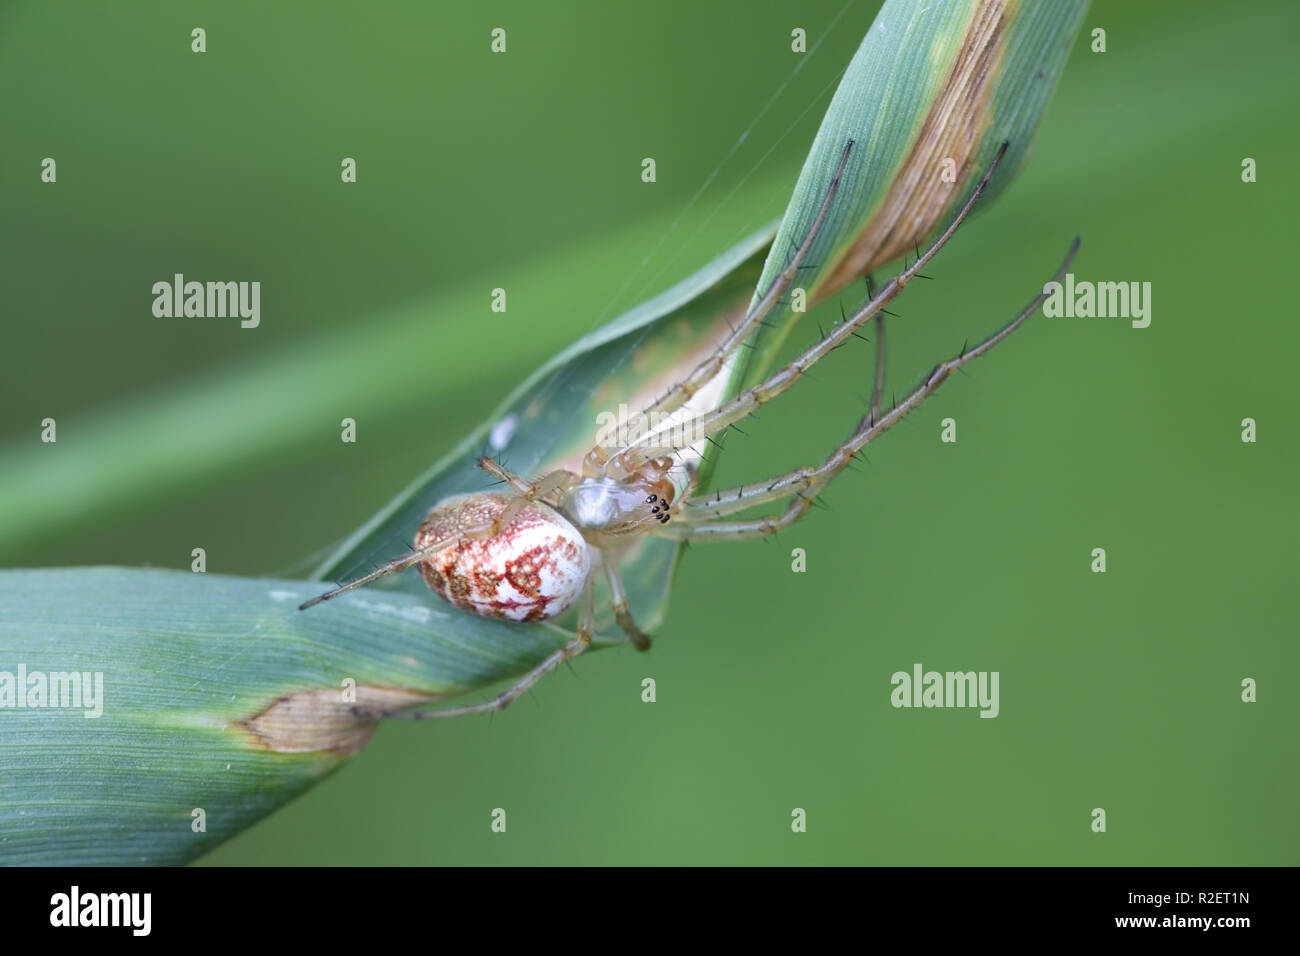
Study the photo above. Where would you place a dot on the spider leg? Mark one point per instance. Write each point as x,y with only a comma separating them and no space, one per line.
705,371
486,529
526,490
694,521
618,598
692,482
744,497
676,437
878,386
581,639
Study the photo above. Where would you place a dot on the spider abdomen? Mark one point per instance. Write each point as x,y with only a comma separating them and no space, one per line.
532,569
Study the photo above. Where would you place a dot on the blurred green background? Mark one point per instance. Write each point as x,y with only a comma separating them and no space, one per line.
1119,691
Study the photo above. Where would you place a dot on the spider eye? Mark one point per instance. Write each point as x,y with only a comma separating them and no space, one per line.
652,499
654,510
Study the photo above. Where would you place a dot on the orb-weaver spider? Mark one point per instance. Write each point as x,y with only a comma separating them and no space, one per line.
526,554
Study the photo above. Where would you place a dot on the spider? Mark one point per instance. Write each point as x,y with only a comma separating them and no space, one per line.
527,554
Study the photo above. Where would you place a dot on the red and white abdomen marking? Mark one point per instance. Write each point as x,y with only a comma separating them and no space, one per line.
534,569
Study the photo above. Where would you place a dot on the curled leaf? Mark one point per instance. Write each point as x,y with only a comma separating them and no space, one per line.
933,92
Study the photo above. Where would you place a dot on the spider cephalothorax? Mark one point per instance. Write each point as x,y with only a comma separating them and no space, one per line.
606,509
531,553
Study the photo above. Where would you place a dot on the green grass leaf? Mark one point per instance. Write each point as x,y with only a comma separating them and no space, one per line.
215,694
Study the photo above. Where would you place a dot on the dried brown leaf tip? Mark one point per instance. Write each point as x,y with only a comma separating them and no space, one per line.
942,158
